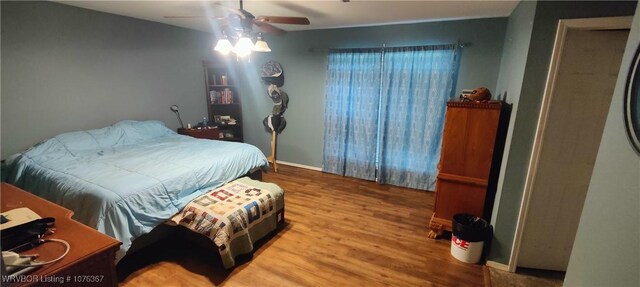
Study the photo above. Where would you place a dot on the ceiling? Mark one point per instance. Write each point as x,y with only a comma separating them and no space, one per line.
322,14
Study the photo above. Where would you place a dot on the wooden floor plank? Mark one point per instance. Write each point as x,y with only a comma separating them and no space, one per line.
340,232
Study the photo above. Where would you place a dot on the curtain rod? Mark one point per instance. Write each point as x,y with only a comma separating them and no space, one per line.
384,47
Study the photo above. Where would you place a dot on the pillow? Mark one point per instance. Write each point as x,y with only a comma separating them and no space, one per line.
122,133
138,131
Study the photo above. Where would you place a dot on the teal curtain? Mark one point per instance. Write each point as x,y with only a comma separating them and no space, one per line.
417,83
384,113
351,113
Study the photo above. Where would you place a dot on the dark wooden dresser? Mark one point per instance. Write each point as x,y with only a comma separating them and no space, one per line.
91,259
468,164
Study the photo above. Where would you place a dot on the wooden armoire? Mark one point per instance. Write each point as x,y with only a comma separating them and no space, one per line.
472,145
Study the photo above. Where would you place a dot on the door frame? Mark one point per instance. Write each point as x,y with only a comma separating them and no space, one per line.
564,25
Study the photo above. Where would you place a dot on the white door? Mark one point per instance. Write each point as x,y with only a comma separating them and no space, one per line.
587,73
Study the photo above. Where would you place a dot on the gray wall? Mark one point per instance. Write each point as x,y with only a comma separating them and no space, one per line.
66,68
606,250
510,80
305,75
546,19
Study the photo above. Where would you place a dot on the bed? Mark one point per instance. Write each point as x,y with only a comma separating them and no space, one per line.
128,178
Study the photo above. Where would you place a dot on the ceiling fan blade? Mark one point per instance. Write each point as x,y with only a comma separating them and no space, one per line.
266,27
284,20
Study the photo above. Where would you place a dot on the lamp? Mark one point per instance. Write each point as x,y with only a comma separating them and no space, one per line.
261,45
174,109
243,47
223,46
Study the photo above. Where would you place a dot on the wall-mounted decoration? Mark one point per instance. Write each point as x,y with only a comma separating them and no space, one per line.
632,103
272,74
280,100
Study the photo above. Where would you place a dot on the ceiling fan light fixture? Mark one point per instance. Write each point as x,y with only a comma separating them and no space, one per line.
223,46
242,23
243,47
261,45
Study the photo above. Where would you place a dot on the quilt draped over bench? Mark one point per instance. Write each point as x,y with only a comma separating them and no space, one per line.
234,216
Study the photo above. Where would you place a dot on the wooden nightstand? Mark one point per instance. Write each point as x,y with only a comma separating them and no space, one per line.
210,134
91,259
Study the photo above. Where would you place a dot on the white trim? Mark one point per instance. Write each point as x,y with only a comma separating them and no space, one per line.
607,23
299,165
497,265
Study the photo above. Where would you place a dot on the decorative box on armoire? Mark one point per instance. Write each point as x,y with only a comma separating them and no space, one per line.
472,146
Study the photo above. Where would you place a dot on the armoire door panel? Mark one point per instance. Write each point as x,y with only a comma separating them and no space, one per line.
453,143
481,128
468,198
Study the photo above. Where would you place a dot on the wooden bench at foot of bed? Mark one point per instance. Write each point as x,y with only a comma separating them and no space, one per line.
234,216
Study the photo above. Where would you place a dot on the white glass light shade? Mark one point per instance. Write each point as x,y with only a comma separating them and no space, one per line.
243,47
223,46
261,46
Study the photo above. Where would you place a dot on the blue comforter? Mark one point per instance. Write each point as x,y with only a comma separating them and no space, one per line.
128,178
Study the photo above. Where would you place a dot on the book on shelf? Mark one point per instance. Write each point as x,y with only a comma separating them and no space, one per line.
219,79
227,96
224,96
215,97
224,80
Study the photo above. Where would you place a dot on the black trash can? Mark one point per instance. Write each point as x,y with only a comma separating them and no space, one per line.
468,236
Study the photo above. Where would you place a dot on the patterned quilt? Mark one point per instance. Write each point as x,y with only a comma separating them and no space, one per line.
230,212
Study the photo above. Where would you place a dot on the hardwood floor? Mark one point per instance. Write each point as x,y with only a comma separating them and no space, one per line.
340,231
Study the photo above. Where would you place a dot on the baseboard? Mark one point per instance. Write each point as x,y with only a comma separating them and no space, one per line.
499,266
299,165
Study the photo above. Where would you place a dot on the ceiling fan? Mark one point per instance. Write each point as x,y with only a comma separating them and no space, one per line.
242,21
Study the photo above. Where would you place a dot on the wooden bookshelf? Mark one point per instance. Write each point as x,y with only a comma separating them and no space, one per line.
223,99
